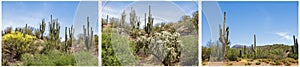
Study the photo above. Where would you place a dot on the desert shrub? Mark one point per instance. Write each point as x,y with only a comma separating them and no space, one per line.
142,45
52,58
286,62
275,63
189,53
291,60
277,54
108,55
229,63
133,48
294,56
272,63
248,63
85,58
15,44
239,59
204,63
257,63
232,54
121,47
205,53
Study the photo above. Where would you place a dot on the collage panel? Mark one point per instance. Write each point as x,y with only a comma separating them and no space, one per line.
49,33
249,33
149,33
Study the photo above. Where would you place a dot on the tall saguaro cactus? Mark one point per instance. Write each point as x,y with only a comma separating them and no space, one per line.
150,22
132,18
54,31
254,46
42,28
68,42
71,36
224,34
295,47
122,22
66,39
88,35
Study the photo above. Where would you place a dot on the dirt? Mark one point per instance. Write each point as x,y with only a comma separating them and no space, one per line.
242,63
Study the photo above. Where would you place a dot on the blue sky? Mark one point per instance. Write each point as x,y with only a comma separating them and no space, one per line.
162,11
272,22
18,13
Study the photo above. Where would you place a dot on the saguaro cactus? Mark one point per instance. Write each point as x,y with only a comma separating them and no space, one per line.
150,22
145,23
254,46
295,47
241,54
42,28
132,18
87,36
54,31
224,34
71,36
66,39
244,49
122,21
138,23
68,42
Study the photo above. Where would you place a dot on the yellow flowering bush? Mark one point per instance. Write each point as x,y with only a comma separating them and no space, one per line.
16,43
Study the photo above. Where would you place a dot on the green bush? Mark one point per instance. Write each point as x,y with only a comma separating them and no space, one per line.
108,55
257,63
205,53
15,44
248,63
52,58
229,63
232,54
286,62
275,63
291,60
294,56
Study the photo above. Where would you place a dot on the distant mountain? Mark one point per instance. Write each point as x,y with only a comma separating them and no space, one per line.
239,46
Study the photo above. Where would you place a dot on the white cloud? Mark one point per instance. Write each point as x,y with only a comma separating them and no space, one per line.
284,35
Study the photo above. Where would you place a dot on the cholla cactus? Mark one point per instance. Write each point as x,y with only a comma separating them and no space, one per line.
166,47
